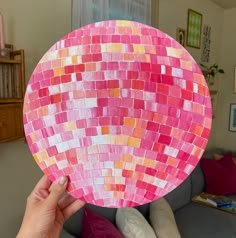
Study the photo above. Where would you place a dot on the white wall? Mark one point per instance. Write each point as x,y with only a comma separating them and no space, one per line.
174,15
35,26
18,175
225,138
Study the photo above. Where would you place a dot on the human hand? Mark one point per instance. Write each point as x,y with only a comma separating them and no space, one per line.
47,208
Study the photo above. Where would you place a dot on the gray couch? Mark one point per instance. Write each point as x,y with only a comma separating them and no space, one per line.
193,220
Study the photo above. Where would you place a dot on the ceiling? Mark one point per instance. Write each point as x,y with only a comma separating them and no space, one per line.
226,3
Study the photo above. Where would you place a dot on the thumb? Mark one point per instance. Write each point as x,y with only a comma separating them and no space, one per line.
57,191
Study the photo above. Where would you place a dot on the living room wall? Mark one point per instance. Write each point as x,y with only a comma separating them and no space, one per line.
225,138
35,26
172,16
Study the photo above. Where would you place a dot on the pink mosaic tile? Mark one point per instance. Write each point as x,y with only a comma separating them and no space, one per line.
120,108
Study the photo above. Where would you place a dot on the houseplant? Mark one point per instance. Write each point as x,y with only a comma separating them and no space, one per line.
210,71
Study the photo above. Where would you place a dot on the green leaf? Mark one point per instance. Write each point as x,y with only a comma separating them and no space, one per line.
215,65
213,69
204,66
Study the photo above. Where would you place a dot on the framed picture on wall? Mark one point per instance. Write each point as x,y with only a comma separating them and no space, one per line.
206,44
194,29
232,117
181,36
235,79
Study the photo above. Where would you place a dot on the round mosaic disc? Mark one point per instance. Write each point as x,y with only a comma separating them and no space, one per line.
120,108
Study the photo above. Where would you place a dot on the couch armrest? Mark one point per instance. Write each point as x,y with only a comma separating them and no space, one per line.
180,196
197,181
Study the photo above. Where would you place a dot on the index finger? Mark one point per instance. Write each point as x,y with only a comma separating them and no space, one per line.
43,184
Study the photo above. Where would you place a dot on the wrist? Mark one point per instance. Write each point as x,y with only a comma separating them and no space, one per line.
26,234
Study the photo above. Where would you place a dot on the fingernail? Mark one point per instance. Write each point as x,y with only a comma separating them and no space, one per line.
62,180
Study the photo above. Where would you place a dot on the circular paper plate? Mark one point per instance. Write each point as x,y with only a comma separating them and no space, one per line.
122,109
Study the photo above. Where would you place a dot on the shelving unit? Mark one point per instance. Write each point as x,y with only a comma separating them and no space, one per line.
12,90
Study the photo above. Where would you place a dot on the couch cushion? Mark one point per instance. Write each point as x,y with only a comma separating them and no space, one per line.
180,196
162,219
209,153
74,224
220,175
65,234
197,181
198,221
220,157
144,209
132,223
96,226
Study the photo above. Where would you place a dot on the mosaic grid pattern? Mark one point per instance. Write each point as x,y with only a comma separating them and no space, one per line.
122,109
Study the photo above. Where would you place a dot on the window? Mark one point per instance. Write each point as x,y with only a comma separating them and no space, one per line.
86,12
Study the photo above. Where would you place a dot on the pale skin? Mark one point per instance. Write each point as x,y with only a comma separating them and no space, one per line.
47,209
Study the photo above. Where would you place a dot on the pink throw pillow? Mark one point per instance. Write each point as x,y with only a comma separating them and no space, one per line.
219,157
220,175
95,226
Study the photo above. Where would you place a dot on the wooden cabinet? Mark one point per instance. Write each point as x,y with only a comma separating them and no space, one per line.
12,89
11,126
